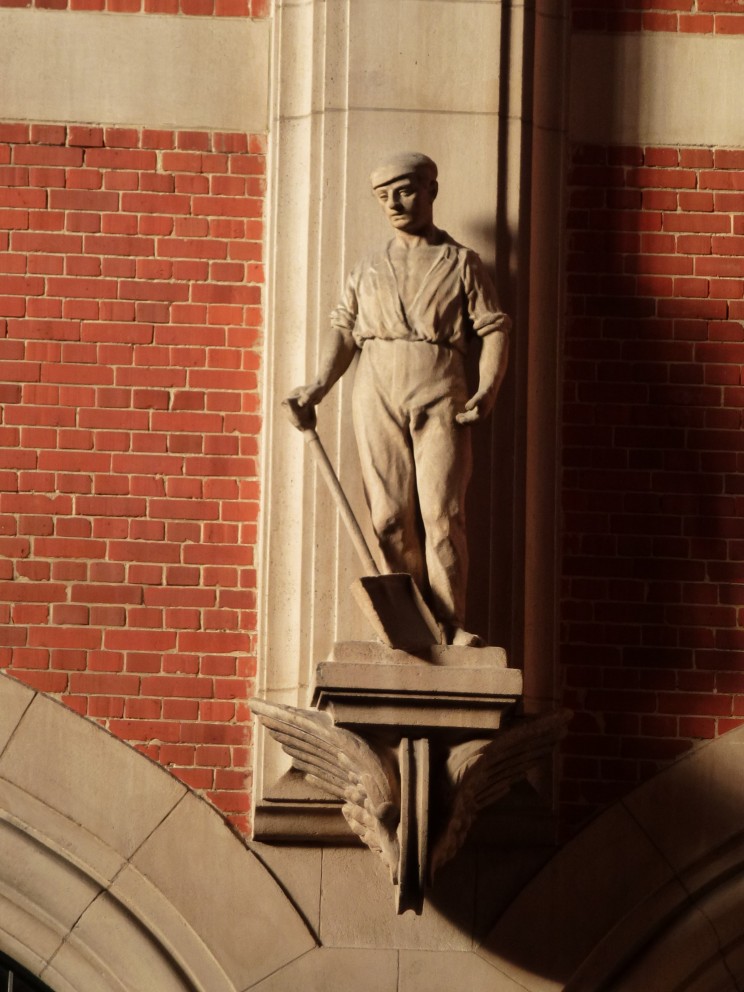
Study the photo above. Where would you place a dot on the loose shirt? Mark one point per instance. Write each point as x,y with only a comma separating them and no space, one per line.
455,299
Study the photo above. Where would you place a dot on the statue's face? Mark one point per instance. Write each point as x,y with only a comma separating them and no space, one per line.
408,202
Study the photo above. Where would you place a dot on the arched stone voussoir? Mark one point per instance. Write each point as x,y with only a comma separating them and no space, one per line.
638,897
88,793
115,877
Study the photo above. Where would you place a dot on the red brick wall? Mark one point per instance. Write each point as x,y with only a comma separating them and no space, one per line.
653,462
130,315
684,16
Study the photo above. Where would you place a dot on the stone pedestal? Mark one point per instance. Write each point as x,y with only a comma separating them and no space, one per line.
412,746
444,691
418,705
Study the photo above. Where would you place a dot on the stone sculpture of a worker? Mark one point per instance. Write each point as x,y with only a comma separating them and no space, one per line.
411,311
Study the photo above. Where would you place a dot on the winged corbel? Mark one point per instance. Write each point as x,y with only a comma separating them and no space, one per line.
345,766
480,772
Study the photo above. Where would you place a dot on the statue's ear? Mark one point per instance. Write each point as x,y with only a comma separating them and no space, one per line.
434,188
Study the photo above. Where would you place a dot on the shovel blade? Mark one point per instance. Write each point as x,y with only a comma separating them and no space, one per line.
397,611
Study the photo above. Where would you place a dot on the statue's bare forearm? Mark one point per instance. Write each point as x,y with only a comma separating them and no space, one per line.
336,357
494,358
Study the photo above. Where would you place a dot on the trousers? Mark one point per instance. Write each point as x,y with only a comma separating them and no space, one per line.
416,464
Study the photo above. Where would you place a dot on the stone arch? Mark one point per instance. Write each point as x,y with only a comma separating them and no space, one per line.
114,877
649,896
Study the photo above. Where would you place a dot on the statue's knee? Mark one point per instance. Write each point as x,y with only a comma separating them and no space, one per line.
443,528
391,528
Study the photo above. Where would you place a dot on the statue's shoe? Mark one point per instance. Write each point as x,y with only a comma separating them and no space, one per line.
464,639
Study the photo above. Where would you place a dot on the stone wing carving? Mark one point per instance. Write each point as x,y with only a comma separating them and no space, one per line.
344,765
480,772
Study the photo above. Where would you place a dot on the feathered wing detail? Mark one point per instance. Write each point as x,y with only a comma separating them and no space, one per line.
344,765
482,771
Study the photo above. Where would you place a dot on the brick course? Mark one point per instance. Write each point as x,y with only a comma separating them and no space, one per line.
675,16
130,345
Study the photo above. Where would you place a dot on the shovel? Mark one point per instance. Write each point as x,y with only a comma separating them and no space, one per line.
392,602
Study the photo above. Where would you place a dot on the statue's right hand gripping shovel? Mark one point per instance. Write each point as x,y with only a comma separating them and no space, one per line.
392,602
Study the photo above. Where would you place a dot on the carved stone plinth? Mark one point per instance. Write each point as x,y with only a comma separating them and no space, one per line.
366,684
414,746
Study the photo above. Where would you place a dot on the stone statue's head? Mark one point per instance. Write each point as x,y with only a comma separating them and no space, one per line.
405,185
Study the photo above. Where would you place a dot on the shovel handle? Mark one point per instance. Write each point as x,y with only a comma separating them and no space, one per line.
342,503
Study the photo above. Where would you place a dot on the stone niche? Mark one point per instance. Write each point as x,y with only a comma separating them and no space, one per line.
344,96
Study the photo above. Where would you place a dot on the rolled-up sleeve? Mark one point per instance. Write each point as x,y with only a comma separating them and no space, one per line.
344,315
484,311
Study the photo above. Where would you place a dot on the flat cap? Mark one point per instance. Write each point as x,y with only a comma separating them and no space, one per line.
402,164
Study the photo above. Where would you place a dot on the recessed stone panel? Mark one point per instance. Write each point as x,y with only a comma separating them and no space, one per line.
402,55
